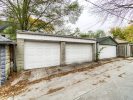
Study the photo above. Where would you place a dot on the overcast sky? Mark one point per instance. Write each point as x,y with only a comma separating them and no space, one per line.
88,21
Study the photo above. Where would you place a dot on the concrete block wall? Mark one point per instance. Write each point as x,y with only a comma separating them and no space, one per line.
94,50
62,53
20,54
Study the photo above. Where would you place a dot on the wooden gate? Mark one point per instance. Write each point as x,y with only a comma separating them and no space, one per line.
121,51
131,50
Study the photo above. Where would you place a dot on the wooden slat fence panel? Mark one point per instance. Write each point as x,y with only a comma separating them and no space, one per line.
121,51
131,50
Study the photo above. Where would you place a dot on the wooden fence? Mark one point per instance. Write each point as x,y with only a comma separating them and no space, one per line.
131,50
121,50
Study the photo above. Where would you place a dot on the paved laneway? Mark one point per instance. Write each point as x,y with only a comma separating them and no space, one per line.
115,89
111,81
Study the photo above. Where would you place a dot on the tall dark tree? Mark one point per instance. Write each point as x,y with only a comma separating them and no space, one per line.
54,12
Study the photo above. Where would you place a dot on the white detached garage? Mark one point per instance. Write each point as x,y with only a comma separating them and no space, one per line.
40,54
38,50
78,53
107,47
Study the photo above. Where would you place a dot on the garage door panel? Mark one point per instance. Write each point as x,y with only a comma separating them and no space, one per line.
41,54
107,51
77,53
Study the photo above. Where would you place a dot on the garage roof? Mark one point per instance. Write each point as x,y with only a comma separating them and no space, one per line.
106,41
28,35
52,35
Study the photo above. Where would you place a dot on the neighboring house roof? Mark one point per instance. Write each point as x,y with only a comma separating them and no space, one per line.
119,41
107,41
4,40
2,27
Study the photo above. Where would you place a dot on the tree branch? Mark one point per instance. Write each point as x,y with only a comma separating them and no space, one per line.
49,22
40,15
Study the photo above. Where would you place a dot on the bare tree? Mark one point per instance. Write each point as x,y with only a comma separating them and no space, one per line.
120,9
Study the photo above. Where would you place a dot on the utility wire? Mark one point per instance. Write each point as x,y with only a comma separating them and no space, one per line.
91,25
107,10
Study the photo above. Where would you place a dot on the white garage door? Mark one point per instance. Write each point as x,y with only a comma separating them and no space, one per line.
107,51
41,54
77,53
